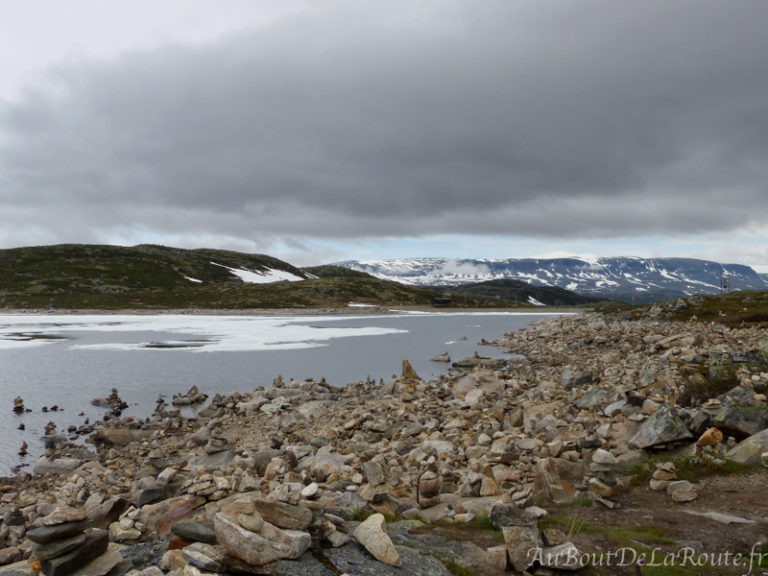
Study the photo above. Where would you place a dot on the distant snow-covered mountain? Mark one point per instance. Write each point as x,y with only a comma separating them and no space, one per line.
629,279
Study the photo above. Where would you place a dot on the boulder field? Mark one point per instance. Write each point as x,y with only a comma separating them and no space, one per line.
307,478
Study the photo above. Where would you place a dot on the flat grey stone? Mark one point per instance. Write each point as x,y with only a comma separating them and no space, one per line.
96,542
46,534
720,517
205,557
151,495
58,547
193,531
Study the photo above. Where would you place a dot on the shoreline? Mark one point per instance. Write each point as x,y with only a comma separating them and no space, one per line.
351,310
476,468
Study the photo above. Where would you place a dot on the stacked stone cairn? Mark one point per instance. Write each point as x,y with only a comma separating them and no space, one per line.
62,543
665,479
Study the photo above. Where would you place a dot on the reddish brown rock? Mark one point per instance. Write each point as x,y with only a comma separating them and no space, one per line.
178,543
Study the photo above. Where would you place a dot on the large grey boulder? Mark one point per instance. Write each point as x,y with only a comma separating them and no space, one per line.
742,420
60,465
663,427
281,514
259,548
741,415
749,451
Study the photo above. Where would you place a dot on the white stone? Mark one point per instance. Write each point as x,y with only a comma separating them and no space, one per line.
372,534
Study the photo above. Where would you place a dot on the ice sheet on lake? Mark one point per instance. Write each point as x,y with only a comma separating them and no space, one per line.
205,333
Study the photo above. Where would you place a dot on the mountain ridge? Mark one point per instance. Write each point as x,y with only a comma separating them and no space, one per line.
106,277
89,276
630,279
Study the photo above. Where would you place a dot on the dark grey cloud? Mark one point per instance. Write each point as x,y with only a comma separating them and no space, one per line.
596,118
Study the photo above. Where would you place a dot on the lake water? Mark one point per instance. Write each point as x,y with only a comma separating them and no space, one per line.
69,360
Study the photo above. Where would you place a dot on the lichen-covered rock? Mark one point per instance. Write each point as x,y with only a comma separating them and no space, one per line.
662,427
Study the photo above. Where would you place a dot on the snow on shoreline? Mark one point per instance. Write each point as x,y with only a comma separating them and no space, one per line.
196,333
204,333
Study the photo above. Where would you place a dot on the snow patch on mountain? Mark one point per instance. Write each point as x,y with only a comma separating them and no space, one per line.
266,277
632,279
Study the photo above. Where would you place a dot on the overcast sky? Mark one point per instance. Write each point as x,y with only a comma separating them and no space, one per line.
323,130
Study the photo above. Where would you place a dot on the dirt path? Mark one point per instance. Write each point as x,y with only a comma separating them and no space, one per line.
648,521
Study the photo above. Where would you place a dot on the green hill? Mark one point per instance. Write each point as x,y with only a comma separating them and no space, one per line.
148,276
80,276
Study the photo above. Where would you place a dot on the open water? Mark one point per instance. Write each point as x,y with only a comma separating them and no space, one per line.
66,361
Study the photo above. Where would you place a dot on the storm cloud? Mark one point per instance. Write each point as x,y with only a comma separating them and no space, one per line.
366,119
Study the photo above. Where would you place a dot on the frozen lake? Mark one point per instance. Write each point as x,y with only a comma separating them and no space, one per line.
67,360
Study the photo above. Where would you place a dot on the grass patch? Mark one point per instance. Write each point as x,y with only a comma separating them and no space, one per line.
583,502
687,468
457,568
483,522
622,535
360,514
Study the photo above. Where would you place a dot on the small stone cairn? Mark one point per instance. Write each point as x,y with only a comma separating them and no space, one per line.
18,405
62,542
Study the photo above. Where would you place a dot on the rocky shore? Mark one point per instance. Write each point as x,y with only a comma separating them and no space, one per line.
464,474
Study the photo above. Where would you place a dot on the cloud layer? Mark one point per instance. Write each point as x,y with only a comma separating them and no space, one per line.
548,119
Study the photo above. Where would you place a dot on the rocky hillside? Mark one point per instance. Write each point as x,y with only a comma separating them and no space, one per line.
633,280
606,434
